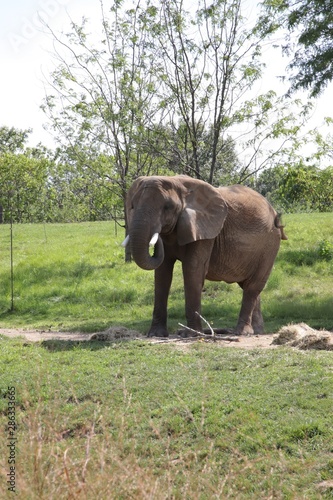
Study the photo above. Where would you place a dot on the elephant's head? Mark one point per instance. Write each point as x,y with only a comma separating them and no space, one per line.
191,209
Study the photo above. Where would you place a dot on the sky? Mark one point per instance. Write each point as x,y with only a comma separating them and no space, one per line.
26,61
26,58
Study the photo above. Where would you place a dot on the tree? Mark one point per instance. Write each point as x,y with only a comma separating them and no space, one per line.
37,185
268,184
209,59
161,79
79,192
311,24
13,140
23,174
107,99
226,162
298,187
22,187
168,89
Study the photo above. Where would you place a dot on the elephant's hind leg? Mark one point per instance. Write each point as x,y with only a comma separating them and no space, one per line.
250,318
257,319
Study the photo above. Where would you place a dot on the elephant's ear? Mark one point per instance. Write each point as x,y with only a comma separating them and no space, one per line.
204,212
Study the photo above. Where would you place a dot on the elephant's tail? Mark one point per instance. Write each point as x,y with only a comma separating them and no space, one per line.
278,224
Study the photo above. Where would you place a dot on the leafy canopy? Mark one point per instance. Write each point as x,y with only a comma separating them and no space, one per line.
311,23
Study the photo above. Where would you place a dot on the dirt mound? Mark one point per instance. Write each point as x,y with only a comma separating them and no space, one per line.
304,337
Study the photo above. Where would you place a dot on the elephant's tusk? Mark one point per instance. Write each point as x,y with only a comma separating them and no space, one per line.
125,242
154,239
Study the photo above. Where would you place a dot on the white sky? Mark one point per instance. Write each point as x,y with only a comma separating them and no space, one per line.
26,61
25,57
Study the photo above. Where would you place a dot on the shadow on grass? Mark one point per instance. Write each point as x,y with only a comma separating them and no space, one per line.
305,257
316,311
64,270
95,345
84,345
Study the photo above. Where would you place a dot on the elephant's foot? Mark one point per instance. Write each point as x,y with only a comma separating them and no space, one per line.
158,331
220,331
184,333
243,329
206,331
254,329
259,330
258,325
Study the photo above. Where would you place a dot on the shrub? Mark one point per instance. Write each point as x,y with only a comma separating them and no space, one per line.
325,250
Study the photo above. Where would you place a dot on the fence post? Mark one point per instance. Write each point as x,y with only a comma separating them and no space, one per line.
10,205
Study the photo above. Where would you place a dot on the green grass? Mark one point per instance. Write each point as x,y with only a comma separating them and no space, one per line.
73,277
69,277
133,420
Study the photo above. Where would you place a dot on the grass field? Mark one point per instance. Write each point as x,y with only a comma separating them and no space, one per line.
132,420
73,277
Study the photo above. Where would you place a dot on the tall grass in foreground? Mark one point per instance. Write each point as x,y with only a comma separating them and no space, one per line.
73,277
134,420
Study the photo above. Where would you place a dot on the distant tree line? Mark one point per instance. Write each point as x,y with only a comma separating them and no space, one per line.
298,188
38,185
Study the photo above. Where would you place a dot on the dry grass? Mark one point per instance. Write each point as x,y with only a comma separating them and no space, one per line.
116,333
304,337
90,462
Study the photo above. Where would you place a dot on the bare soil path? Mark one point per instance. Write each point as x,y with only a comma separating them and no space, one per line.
251,342
295,335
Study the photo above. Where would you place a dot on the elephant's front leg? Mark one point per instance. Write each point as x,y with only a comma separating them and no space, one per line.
163,279
195,266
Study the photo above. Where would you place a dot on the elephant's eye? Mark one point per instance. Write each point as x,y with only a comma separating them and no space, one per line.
169,205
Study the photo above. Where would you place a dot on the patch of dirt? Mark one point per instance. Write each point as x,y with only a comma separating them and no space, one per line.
248,342
325,486
300,336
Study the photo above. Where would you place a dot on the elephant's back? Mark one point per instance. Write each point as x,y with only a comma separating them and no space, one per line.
248,211
243,196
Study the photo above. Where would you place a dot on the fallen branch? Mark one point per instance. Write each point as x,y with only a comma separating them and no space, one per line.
208,324
211,336
201,334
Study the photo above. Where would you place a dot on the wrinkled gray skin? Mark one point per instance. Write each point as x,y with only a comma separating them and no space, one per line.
229,234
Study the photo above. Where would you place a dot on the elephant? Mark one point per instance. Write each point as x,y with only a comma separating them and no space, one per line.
229,234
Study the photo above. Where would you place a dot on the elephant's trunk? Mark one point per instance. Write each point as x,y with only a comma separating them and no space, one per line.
139,238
